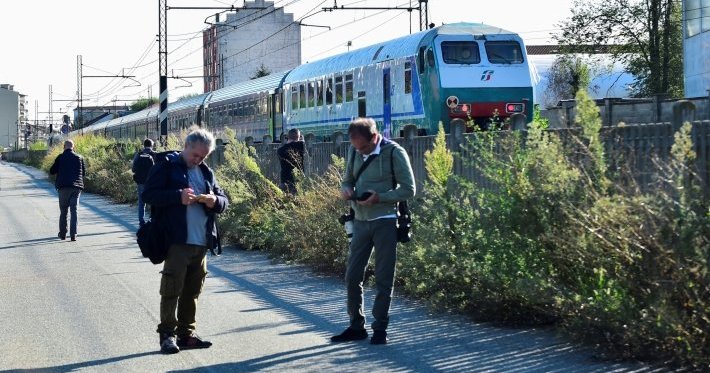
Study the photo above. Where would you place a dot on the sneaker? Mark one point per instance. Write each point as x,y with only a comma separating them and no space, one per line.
379,337
349,334
168,344
192,341
73,238
62,236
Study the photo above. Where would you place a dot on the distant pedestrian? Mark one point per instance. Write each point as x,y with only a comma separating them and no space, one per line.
377,176
184,194
143,161
291,156
70,171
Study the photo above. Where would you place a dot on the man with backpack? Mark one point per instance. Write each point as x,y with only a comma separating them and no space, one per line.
142,163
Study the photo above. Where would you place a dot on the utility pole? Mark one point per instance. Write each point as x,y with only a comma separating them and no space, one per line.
163,69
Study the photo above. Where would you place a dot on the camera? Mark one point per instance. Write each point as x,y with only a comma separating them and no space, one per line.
347,221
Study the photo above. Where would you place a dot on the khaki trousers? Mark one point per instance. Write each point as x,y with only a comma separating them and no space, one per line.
184,274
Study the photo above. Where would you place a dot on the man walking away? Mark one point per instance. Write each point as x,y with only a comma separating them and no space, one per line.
291,157
70,171
142,163
185,196
377,176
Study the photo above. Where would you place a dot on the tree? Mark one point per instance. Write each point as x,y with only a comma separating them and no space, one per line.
261,71
567,75
646,35
143,103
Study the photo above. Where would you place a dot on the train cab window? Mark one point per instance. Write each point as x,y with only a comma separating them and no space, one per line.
319,92
407,77
430,58
311,94
329,91
420,60
348,87
460,52
294,97
339,89
506,52
361,104
302,96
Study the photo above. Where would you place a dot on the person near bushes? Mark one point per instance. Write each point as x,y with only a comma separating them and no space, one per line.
70,170
142,163
185,196
291,156
374,224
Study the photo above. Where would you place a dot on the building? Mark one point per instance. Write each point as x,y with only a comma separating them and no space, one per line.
256,37
696,47
13,117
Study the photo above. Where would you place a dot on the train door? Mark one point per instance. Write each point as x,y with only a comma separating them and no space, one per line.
386,103
276,115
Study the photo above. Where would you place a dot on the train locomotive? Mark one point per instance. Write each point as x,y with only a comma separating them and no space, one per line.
469,71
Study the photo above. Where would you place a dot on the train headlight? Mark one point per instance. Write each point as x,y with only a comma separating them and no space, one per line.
514,108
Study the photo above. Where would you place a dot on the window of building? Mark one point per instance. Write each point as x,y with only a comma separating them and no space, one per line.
697,17
460,52
339,89
407,77
506,52
348,87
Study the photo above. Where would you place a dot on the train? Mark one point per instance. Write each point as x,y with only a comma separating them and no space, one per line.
469,71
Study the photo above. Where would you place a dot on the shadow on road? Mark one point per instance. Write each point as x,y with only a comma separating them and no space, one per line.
86,364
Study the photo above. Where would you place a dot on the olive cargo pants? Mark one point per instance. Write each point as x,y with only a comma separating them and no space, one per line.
184,274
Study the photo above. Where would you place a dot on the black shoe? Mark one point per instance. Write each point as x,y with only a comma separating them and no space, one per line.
379,337
167,344
192,342
73,238
349,334
62,236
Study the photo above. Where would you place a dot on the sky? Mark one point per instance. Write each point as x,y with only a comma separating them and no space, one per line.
41,40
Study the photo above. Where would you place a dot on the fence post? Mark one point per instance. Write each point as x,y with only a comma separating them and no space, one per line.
518,122
338,137
249,141
683,111
267,139
608,107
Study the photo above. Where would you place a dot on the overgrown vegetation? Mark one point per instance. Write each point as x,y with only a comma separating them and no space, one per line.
547,235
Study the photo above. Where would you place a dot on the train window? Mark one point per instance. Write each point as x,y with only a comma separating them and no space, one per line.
420,60
294,97
348,87
460,52
319,92
311,94
407,77
507,52
339,89
430,57
302,96
361,104
329,91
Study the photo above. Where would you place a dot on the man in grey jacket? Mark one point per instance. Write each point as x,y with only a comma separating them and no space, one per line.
377,176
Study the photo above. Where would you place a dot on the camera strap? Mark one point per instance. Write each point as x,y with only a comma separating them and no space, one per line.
363,167
402,206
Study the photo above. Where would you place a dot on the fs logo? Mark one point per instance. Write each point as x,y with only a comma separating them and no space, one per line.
486,76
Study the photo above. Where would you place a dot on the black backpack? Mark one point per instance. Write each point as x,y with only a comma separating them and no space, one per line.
142,165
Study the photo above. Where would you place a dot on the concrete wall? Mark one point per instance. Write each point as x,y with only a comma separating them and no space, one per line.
268,37
9,115
629,111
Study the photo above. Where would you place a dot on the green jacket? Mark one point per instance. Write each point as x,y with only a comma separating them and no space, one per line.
378,177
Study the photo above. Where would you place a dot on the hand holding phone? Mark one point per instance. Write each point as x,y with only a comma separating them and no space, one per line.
364,196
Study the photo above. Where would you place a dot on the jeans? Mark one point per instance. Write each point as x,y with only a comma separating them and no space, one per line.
68,200
141,205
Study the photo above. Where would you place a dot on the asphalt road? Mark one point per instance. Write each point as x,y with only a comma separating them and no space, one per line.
92,306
